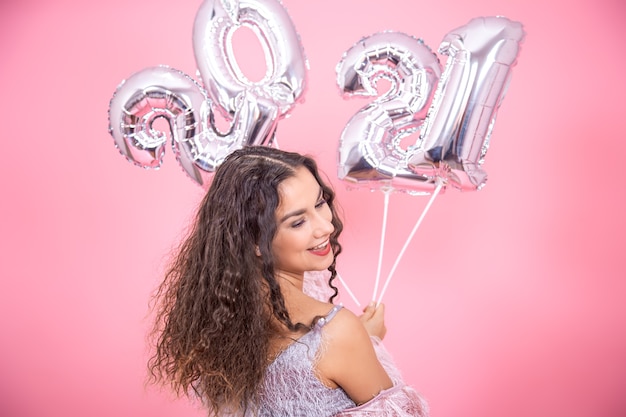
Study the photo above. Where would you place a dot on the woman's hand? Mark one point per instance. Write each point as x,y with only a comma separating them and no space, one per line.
374,321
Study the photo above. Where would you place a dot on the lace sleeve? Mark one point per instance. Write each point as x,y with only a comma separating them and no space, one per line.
316,285
397,401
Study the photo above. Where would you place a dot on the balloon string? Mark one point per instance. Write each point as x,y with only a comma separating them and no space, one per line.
382,241
345,286
406,244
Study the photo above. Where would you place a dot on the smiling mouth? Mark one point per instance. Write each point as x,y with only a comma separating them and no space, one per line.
320,247
321,250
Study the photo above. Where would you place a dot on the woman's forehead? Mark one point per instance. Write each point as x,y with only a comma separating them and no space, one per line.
298,188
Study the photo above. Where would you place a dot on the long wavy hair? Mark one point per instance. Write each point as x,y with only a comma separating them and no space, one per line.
220,304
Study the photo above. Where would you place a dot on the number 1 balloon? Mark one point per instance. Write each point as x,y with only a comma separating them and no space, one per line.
458,127
252,108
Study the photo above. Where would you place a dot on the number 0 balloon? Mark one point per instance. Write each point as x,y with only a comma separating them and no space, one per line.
252,108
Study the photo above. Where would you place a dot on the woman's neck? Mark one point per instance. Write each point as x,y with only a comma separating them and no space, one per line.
290,282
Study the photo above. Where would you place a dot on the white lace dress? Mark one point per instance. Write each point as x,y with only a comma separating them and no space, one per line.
291,388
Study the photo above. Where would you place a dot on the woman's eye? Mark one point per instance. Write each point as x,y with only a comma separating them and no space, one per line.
297,224
320,203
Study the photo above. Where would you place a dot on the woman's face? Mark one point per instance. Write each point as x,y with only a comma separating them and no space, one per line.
303,219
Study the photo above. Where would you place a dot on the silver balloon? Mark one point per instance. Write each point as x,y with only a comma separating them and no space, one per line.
456,133
143,98
285,81
370,152
164,92
252,109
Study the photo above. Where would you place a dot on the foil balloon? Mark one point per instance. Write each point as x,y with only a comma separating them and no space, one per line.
163,92
284,82
458,127
189,108
370,151
146,96
453,112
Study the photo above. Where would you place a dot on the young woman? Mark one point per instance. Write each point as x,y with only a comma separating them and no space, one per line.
234,325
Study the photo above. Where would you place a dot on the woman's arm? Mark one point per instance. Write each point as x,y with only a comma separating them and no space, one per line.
349,359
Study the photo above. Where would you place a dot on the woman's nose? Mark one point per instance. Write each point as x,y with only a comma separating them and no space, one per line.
324,225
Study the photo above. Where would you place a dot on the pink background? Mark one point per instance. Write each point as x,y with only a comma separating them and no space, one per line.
509,302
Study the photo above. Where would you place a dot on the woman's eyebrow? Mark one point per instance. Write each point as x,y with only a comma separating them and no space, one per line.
292,214
300,212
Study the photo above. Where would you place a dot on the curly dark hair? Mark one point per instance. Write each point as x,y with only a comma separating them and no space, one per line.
220,304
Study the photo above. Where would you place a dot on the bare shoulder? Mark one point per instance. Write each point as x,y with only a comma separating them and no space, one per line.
346,335
344,325
349,360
